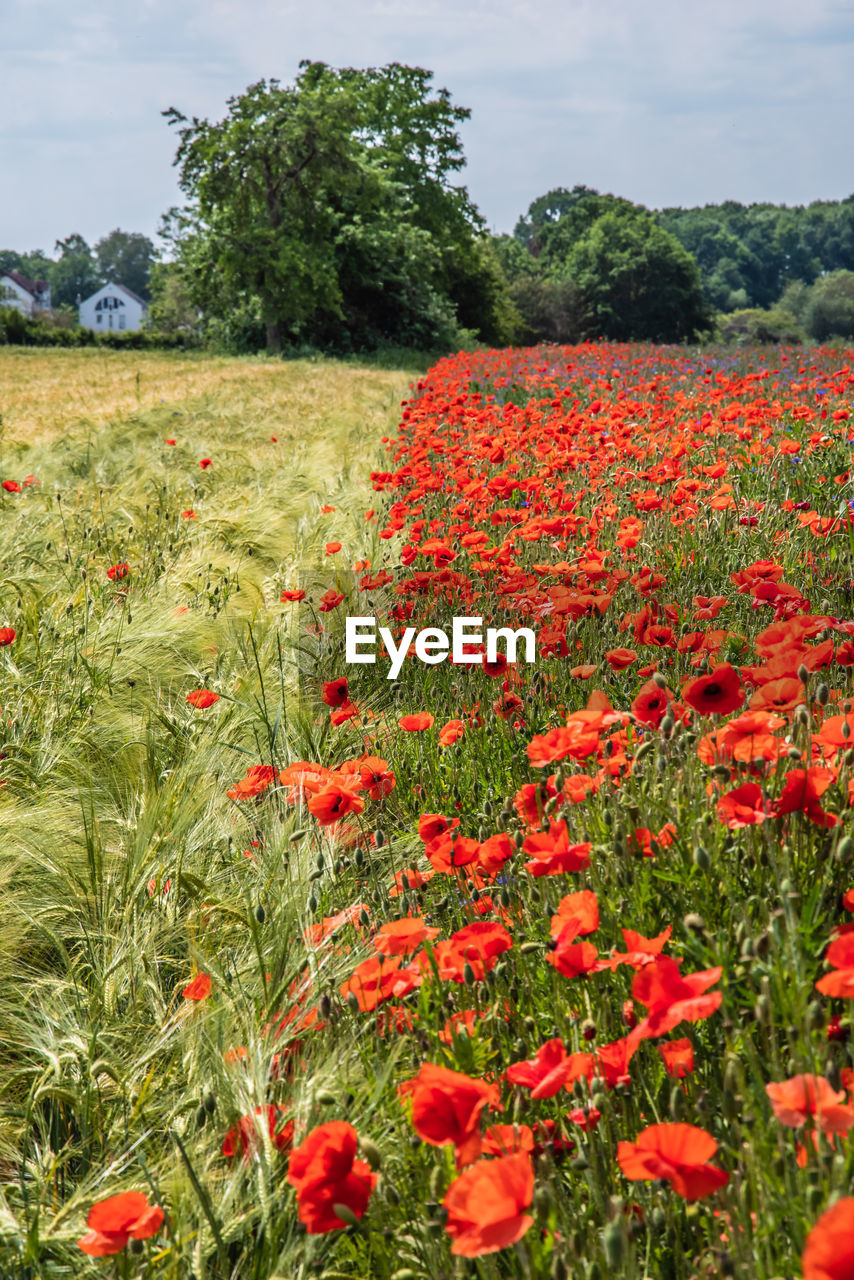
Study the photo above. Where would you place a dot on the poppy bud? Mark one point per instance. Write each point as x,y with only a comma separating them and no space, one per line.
325,1004
346,1214
371,1152
615,1242
702,861
312,903
845,849
201,1117
260,913
803,674
298,835
468,975
379,837
543,1200
815,1015
364,918
677,1103
209,1103
822,694
659,680
353,1001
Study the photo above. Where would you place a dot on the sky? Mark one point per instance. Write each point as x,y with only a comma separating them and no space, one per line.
665,102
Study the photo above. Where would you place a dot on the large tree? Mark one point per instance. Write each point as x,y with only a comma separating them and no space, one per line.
637,281
75,275
327,208
126,257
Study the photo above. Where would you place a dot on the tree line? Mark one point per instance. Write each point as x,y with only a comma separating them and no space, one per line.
328,214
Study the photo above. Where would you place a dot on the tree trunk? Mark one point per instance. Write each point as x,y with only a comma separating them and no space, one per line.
274,338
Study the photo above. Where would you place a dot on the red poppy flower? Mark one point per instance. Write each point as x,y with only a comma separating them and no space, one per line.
258,778
376,777
720,692
829,1250
450,732
650,705
809,1097
678,1057
417,722
11,486
325,1172
202,698
672,998
335,692
330,600
199,988
801,795
245,1132
486,1205
376,980
620,658
118,571
582,908
551,1069
332,802
7,635
402,937
114,1221
205,463
446,1108
332,547
840,954
552,854
293,596
170,441
743,807
677,1152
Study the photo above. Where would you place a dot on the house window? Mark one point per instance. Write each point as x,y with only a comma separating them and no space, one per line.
121,322
98,318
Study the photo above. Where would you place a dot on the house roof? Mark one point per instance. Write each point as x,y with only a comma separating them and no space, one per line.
33,287
130,293
119,288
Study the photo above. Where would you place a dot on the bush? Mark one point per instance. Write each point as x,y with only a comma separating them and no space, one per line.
17,329
829,311
754,325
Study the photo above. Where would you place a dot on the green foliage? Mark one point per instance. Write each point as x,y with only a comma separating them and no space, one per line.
752,325
829,309
636,281
126,257
325,211
171,309
76,275
17,329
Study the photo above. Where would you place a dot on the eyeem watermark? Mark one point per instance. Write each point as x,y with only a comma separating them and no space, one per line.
432,645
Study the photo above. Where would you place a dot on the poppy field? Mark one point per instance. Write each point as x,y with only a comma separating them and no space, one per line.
490,969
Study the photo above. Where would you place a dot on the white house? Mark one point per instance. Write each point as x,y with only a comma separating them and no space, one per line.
112,307
29,296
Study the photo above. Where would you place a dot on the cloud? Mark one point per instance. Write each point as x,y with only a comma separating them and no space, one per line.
666,103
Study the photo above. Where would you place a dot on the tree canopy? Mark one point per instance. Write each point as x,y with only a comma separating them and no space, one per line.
325,211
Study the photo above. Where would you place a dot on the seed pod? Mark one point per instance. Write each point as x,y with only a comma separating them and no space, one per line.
815,1015
346,1214
379,837
845,849
701,858
201,1117
260,913
468,975
615,1243
371,1152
